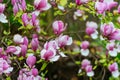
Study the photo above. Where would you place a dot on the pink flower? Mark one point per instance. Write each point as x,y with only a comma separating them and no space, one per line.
2,8
41,5
25,41
77,13
79,2
34,43
1,1
107,29
115,35
31,60
58,27
18,38
23,50
11,49
51,44
25,19
63,40
113,68
84,48
34,71
89,71
100,7
110,4
111,49
5,67
91,29
49,55
85,63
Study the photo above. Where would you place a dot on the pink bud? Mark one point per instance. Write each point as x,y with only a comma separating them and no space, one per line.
23,50
34,44
11,49
34,71
25,19
2,8
85,63
79,2
84,44
25,41
31,60
23,5
113,67
88,68
58,27
100,7
15,9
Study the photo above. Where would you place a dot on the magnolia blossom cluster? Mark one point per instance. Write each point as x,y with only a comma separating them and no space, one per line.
113,68
5,62
2,16
29,74
33,21
86,65
21,48
91,29
51,50
84,48
103,5
18,5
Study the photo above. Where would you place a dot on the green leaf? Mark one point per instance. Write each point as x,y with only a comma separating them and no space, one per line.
63,2
8,78
6,33
44,66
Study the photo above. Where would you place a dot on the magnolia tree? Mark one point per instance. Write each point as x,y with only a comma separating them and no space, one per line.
36,33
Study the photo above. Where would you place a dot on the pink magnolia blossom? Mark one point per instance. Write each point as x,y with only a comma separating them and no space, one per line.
107,29
31,60
2,8
49,55
115,35
1,1
41,5
34,43
51,44
85,63
112,50
63,40
17,38
84,48
113,68
89,70
79,2
58,27
101,7
23,50
5,67
110,4
11,49
77,13
91,29
25,19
